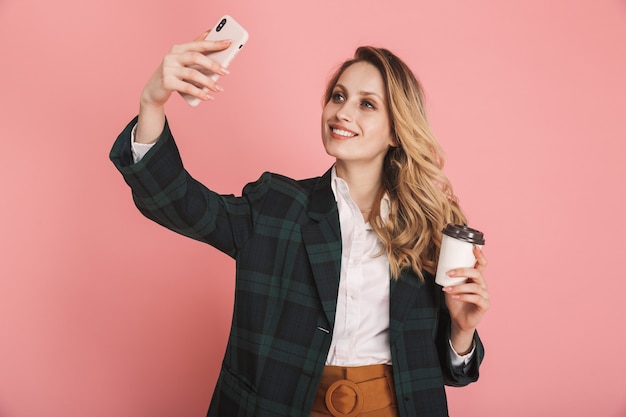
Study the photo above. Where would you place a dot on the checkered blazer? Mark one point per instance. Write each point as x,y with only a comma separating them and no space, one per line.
285,238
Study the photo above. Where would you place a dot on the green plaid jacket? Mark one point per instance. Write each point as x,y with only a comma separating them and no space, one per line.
285,237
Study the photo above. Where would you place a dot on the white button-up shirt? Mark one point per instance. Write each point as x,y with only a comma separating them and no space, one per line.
361,335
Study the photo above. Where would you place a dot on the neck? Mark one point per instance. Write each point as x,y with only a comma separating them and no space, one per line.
364,182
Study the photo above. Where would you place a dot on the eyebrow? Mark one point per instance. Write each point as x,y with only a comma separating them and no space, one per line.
362,92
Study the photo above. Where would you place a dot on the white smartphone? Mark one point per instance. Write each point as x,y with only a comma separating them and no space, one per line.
225,28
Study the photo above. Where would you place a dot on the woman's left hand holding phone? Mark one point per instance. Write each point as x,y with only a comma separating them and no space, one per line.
179,71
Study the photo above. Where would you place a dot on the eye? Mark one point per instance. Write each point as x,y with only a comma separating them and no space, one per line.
337,97
368,104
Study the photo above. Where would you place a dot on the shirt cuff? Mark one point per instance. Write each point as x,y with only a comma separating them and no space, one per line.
461,361
139,150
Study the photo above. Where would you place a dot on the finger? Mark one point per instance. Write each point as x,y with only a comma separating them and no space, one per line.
200,80
190,81
475,299
472,274
481,260
191,89
196,57
480,300
201,46
203,36
205,63
468,288
194,67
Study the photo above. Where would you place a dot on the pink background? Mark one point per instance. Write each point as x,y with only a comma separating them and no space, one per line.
102,313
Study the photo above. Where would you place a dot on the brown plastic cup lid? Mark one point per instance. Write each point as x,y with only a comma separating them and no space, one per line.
467,234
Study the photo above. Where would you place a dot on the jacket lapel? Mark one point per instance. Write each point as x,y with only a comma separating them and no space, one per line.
322,239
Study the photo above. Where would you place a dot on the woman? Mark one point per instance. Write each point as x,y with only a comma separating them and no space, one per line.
336,310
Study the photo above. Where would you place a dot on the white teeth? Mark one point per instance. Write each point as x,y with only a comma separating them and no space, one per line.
343,133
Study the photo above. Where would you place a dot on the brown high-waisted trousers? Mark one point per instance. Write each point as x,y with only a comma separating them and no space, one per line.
361,391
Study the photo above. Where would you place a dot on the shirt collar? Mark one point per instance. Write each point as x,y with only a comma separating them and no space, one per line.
335,182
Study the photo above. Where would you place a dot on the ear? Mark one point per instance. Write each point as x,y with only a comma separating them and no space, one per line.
394,140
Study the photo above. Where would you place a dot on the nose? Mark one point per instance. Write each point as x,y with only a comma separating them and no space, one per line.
345,112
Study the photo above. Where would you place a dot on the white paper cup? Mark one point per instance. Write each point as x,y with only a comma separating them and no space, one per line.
457,251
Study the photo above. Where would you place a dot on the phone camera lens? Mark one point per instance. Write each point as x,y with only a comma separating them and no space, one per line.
221,25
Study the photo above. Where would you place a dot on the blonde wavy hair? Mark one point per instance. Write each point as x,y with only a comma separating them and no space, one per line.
422,200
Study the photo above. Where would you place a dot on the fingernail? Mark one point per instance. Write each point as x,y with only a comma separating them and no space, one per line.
451,273
218,87
205,90
225,71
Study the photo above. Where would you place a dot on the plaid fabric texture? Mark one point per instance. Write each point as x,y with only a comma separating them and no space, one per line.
285,238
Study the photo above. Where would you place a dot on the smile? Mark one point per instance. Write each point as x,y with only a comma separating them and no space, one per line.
343,133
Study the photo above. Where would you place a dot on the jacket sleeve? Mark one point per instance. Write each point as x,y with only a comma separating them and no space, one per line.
451,374
164,192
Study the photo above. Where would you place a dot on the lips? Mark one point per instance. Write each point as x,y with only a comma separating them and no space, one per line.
341,132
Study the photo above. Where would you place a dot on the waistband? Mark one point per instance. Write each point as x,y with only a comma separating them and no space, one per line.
352,391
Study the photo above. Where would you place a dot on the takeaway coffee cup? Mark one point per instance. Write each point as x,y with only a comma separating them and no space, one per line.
456,251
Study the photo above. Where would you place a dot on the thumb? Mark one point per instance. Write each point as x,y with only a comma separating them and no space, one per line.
203,36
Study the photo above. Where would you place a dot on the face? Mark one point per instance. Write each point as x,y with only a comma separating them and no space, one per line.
355,124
